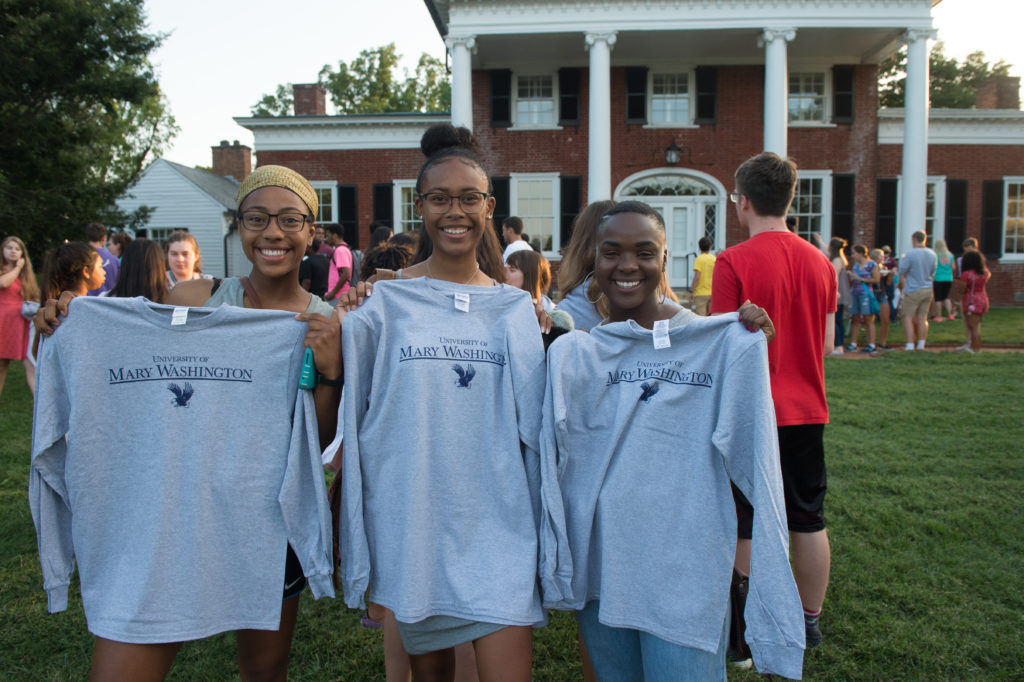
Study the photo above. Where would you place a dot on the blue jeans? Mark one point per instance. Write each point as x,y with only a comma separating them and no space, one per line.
840,326
626,655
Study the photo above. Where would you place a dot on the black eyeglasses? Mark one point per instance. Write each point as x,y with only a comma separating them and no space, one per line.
257,221
470,202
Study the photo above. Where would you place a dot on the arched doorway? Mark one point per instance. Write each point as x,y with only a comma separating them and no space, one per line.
693,206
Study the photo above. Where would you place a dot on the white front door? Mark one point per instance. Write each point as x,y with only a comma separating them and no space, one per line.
682,236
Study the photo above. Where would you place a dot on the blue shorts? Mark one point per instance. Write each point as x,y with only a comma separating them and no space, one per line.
861,302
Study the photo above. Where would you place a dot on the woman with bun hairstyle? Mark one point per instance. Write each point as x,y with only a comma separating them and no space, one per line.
276,215
440,517
17,285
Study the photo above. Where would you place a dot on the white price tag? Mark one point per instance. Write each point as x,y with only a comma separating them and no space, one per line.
462,302
661,339
179,316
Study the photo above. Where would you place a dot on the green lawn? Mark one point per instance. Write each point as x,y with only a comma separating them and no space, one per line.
927,474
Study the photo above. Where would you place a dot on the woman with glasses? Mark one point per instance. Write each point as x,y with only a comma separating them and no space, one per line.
440,517
276,209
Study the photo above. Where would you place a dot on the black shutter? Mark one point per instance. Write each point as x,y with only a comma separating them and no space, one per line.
568,97
842,94
636,95
992,218
707,95
956,214
383,208
502,197
501,98
348,215
885,212
571,191
842,206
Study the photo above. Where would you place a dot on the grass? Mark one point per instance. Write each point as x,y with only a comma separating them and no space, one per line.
926,476
999,327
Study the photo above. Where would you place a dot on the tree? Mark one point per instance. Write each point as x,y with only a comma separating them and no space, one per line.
951,85
371,84
81,113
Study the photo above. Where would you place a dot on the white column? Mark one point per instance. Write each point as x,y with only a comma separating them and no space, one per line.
776,88
462,49
599,151
913,186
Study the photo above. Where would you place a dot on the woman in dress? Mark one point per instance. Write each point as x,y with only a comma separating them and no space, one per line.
17,286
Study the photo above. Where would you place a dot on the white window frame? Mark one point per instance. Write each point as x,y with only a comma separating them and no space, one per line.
806,68
826,201
397,206
333,186
160,234
556,203
691,85
1008,257
939,219
532,73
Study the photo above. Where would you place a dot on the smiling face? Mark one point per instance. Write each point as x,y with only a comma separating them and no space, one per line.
12,253
631,257
272,251
454,232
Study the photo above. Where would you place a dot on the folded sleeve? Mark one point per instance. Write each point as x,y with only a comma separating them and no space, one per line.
47,487
303,499
359,345
555,559
525,351
747,439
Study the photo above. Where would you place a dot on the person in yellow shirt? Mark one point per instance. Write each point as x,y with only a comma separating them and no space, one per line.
700,286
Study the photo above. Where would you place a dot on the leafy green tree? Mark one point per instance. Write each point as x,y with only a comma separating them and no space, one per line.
371,84
952,84
81,113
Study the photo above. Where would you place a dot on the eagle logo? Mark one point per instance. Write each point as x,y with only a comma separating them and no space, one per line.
648,389
182,394
465,375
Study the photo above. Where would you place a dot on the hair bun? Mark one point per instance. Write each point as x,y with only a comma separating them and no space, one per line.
444,136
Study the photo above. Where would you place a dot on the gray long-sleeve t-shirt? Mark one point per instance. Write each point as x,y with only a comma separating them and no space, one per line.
643,443
441,414
175,463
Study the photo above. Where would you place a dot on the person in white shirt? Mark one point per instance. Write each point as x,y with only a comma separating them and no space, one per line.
512,233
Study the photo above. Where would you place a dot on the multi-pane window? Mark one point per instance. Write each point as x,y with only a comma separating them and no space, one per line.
406,210
326,212
536,202
535,101
808,206
670,99
161,234
929,211
807,96
1013,227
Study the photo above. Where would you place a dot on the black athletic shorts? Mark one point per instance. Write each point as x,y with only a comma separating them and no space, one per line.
802,456
294,578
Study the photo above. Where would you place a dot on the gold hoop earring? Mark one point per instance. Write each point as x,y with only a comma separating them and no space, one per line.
586,290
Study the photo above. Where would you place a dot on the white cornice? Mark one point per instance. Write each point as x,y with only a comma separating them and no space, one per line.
958,126
318,133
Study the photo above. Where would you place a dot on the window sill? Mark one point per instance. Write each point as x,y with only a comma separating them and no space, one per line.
811,124
1014,258
543,127
671,126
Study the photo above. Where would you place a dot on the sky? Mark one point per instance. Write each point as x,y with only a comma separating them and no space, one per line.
221,56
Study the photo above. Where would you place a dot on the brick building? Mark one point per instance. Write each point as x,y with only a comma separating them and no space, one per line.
662,100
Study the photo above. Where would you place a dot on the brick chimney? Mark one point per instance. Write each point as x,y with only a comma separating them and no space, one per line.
310,99
998,92
232,160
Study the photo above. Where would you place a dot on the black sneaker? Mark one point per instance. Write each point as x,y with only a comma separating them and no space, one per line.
869,350
812,633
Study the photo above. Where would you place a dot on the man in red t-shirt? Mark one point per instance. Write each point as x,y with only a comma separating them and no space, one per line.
796,284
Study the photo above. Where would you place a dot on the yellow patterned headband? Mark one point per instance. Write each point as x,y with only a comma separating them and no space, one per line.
278,176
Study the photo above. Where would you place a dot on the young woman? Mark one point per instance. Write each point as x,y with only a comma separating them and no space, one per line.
531,272
648,513
184,262
880,289
581,297
276,209
837,254
975,299
942,282
439,515
17,285
143,272
864,275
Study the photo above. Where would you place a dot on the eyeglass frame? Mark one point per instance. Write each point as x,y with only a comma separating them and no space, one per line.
734,196
306,217
451,201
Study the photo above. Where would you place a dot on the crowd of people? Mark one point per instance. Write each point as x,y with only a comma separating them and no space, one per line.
496,454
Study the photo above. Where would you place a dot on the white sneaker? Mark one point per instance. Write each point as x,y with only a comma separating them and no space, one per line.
837,351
